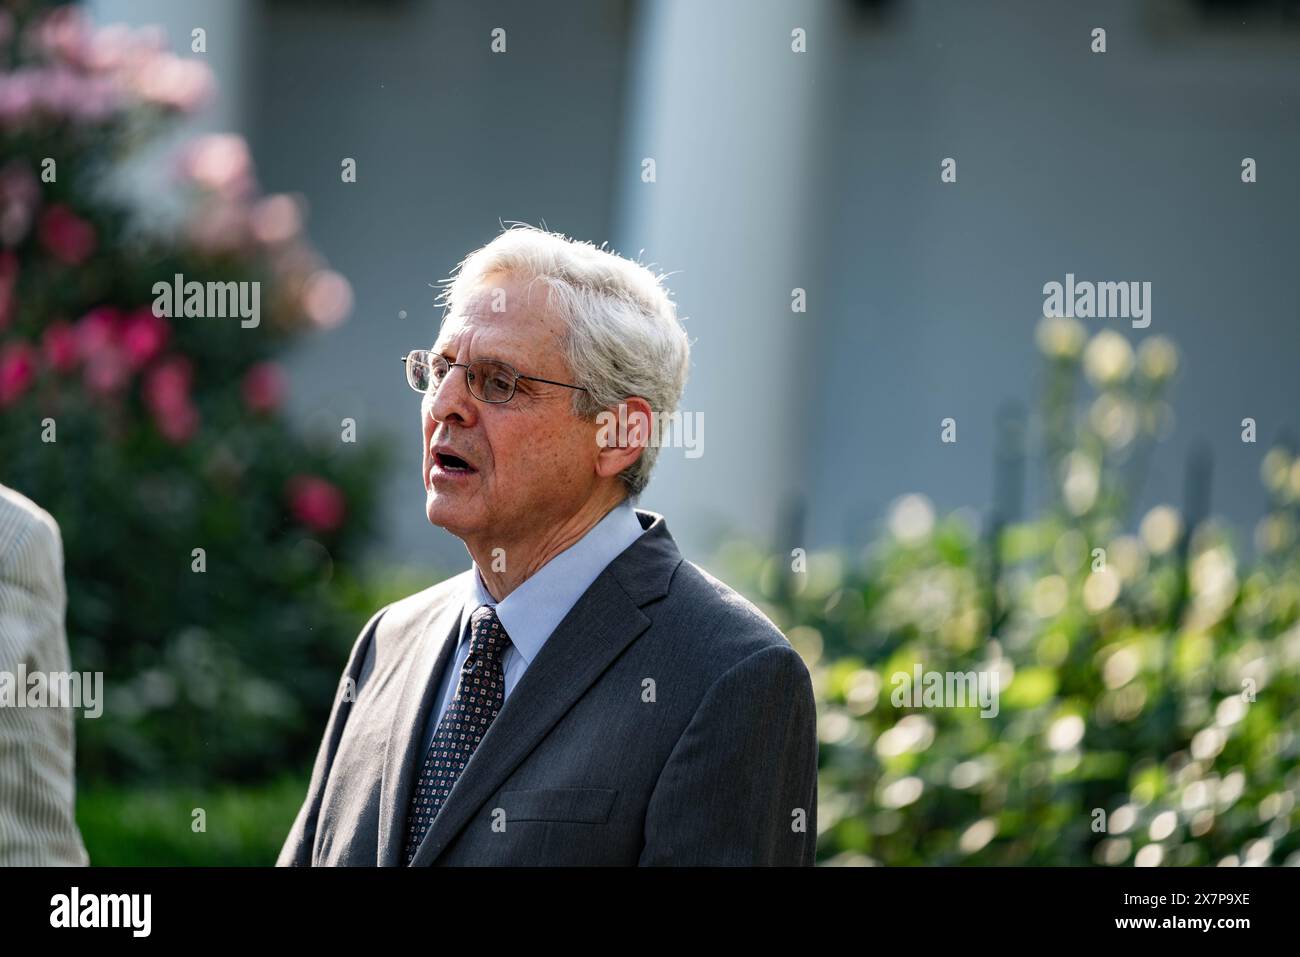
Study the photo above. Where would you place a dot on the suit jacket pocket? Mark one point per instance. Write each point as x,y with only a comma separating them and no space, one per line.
579,805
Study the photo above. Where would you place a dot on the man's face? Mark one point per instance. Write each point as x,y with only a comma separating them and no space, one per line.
532,460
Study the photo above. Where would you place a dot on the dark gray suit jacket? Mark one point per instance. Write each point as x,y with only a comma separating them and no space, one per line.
665,721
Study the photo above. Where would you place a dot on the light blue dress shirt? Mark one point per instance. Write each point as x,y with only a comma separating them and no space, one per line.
533,610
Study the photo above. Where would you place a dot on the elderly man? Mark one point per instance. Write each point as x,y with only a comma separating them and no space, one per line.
581,695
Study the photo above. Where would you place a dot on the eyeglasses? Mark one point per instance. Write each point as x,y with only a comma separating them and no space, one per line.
489,380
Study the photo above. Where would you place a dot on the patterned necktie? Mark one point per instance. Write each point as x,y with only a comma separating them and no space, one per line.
479,696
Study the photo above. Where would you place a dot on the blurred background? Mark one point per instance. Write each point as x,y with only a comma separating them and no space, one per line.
1157,685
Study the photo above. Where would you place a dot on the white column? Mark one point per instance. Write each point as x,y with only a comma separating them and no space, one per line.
730,115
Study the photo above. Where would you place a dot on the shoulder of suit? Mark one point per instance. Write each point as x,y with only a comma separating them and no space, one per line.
25,525
733,624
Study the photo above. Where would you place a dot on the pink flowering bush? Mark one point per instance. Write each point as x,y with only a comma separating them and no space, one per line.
205,540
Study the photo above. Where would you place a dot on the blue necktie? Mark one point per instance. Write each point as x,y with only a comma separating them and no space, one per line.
479,695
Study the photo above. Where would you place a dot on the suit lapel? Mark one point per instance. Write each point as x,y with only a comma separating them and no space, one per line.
605,620
433,644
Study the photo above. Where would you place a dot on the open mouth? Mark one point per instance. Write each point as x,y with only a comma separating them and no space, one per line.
452,463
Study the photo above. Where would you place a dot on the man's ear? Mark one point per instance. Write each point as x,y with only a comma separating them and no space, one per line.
622,431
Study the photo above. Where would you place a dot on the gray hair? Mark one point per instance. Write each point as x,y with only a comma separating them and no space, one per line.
623,337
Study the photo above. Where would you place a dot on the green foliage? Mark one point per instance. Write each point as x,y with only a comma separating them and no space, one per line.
1148,707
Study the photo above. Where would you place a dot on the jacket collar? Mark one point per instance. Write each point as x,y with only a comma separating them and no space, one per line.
605,620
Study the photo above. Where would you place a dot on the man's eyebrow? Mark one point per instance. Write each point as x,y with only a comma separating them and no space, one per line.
489,358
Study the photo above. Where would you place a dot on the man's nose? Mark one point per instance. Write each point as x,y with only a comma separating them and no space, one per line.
451,399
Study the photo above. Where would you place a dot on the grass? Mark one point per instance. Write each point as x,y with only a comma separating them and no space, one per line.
241,826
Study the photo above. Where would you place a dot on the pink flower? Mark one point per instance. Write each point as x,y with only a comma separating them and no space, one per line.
107,371
168,383
98,336
179,424
68,237
64,33
167,394
264,387
175,83
219,162
327,298
61,90
143,337
16,98
97,329
276,219
316,502
60,345
96,101
111,47
17,367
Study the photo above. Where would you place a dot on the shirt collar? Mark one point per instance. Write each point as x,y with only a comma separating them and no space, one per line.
531,612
